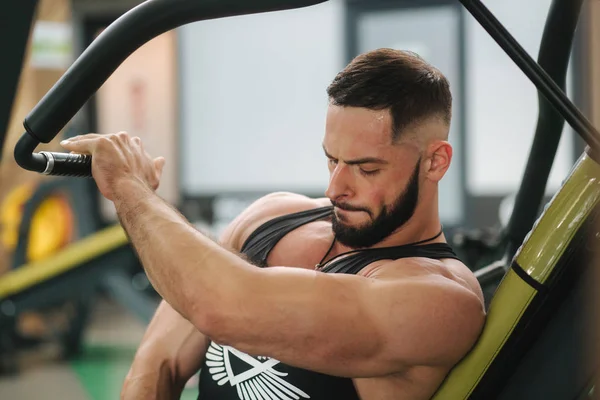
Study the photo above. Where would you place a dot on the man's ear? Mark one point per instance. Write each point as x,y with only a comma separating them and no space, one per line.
439,160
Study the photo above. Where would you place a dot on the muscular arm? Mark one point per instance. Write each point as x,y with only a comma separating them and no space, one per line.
337,324
173,349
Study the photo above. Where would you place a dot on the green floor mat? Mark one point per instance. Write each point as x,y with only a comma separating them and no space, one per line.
102,369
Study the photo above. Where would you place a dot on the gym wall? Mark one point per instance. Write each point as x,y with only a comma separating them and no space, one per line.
253,100
140,98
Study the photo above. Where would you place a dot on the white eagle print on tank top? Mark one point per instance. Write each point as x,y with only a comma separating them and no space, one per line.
257,381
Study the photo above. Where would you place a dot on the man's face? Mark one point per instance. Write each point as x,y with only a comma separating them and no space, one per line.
374,184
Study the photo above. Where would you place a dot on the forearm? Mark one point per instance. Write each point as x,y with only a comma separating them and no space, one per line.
170,353
151,381
190,271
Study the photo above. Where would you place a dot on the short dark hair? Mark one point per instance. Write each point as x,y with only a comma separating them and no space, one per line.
400,81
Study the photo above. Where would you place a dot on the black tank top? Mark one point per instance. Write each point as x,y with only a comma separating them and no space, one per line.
228,374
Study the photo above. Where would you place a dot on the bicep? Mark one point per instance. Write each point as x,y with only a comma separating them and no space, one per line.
347,325
303,318
430,321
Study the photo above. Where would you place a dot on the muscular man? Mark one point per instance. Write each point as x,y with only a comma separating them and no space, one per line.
352,296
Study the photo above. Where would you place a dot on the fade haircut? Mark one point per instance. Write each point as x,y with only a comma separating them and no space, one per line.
400,81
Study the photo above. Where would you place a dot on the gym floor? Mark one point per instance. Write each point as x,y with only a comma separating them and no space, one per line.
110,344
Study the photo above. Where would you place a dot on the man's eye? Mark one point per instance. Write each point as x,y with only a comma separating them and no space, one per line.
369,173
332,161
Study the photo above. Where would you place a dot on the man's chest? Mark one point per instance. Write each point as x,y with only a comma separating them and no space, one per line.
304,247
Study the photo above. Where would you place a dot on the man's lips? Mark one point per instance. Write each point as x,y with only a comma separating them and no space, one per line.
349,209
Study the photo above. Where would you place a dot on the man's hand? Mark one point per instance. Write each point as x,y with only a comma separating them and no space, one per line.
117,158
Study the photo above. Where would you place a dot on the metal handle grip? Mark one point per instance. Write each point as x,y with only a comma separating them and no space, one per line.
66,164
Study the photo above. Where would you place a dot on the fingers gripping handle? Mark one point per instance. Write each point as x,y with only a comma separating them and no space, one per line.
50,163
66,164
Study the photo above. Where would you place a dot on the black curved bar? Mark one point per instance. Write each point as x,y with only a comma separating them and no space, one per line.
121,39
25,156
554,57
103,57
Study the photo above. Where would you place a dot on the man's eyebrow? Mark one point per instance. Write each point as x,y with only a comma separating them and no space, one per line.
358,161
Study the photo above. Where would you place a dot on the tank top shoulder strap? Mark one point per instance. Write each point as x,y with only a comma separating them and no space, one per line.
260,242
356,262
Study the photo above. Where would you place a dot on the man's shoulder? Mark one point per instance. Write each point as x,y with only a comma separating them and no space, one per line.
448,273
266,208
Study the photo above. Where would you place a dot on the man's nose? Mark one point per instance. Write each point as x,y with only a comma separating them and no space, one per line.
339,185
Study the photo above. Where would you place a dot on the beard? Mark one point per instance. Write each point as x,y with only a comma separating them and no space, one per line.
389,220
